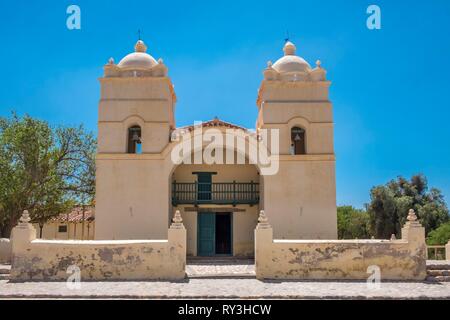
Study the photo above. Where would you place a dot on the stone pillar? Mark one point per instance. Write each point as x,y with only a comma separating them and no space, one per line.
414,233
177,240
21,237
413,230
23,234
263,244
447,251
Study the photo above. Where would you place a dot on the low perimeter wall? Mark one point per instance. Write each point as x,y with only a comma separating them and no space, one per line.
38,260
403,259
5,251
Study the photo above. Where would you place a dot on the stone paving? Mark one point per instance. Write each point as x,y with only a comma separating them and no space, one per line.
438,264
225,280
226,289
224,268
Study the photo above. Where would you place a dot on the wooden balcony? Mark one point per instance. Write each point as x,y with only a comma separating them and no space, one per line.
221,193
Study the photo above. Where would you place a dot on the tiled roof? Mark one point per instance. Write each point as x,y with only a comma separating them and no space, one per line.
76,215
216,122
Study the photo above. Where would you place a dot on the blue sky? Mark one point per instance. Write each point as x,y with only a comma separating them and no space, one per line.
390,87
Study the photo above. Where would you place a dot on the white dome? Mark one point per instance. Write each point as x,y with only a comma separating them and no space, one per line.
139,59
290,62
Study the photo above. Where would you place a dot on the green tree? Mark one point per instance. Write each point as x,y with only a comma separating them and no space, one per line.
390,204
352,223
43,170
440,236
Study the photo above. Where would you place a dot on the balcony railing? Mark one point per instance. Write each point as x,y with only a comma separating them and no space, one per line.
232,193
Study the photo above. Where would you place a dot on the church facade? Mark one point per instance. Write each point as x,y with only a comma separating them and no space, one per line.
140,183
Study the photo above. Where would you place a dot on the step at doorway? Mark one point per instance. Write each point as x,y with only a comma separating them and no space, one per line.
220,268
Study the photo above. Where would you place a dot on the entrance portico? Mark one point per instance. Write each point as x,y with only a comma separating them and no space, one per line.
220,205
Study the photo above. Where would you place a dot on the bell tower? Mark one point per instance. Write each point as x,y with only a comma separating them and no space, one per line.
293,98
136,110
136,117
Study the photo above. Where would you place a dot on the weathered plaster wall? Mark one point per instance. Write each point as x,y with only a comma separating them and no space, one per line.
5,251
325,259
45,260
243,237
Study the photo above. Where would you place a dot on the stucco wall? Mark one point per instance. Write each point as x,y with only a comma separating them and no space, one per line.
332,260
225,173
132,199
300,200
5,251
37,260
243,237
316,119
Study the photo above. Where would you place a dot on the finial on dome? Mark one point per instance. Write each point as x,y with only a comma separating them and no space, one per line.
140,46
289,49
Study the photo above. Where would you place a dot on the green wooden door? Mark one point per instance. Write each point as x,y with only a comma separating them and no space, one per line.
206,234
204,186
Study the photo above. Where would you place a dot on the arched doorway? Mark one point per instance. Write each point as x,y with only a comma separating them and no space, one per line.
220,205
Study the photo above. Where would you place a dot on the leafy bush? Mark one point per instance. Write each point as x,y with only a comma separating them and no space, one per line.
353,223
440,236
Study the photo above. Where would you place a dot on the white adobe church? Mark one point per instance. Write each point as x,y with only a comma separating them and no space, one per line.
139,186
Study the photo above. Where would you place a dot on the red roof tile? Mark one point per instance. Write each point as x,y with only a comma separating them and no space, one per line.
76,215
216,123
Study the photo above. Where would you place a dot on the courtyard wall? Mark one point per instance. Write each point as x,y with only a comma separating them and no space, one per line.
46,260
403,259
